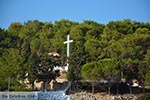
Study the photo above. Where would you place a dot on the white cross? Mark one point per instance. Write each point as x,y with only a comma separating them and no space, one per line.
68,42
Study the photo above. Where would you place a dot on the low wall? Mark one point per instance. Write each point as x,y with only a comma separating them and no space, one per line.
18,95
39,95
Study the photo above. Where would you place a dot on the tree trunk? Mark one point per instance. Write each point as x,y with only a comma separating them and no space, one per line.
44,85
109,87
117,88
93,89
33,86
130,90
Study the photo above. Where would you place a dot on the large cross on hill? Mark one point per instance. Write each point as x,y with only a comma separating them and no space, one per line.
68,51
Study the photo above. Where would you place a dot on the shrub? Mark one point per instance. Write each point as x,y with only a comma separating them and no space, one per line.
144,97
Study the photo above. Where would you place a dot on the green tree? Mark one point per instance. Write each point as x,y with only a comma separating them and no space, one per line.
93,48
125,40
91,72
103,69
15,28
76,60
77,55
147,69
10,67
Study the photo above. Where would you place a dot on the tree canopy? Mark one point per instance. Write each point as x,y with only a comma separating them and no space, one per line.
98,51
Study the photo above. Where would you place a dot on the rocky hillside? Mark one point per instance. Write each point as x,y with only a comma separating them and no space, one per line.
100,96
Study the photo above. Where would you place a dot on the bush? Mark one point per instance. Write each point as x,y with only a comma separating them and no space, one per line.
144,97
19,88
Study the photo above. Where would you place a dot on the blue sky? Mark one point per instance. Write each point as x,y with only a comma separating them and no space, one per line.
101,11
